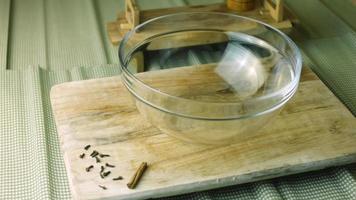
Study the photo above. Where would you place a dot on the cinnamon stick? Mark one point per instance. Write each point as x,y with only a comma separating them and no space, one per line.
137,176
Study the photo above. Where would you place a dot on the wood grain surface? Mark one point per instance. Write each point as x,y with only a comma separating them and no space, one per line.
313,131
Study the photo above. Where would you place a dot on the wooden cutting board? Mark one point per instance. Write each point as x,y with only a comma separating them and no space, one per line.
313,131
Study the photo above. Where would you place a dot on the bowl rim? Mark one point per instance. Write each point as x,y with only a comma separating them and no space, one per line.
291,87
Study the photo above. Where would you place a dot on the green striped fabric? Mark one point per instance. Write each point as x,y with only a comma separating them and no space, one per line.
345,10
32,166
26,37
4,30
46,42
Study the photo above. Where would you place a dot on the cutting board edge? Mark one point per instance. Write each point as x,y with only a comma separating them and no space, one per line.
230,181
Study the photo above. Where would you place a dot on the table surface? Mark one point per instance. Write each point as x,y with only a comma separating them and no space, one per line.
46,42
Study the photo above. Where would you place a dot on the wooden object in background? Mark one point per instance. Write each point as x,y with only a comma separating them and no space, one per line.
240,5
275,9
137,62
269,13
132,14
313,131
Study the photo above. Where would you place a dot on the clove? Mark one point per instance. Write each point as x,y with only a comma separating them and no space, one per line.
94,153
109,165
89,168
103,187
105,174
82,155
104,155
118,178
87,147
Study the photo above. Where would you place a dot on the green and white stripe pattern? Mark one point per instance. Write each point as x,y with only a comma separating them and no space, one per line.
46,42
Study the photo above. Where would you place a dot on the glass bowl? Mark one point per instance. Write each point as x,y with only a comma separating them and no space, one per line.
209,78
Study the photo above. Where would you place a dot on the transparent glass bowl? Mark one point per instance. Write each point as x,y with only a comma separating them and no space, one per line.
210,78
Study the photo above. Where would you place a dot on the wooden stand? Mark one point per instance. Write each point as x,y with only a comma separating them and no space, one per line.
267,11
241,5
275,9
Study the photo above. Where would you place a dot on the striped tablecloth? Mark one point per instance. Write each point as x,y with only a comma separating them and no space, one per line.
46,42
